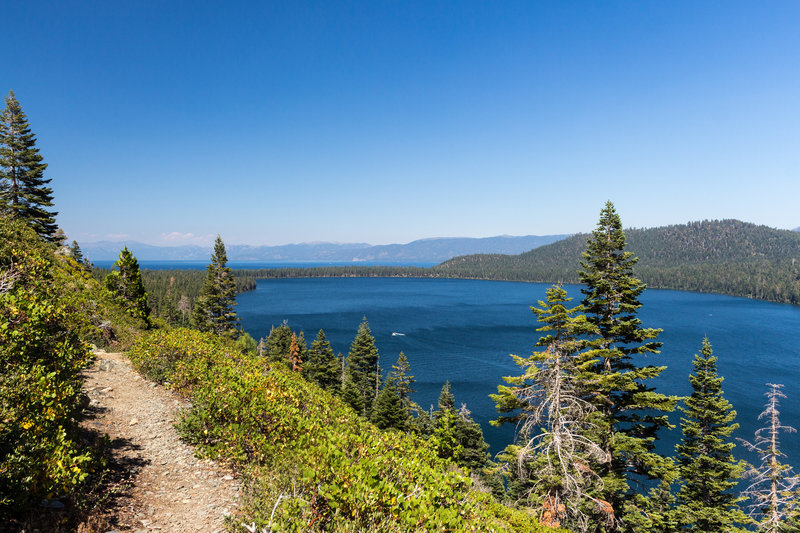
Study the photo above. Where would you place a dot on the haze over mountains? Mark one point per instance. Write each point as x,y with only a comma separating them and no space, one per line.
433,250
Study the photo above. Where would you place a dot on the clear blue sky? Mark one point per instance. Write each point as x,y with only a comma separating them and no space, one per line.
379,122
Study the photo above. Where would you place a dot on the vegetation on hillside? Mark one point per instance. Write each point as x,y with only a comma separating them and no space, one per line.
308,456
727,257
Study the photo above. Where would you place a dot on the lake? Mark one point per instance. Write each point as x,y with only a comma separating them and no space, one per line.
464,330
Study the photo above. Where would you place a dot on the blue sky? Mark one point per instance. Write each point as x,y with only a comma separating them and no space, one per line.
380,122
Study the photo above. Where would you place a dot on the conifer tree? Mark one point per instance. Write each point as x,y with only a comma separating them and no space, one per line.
24,193
213,310
278,343
76,253
772,489
362,368
321,365
444,422
552,453
456,435
403,379
630,412
389,411
708,471
126,283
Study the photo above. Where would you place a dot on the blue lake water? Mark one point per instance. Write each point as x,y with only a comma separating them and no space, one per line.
464,330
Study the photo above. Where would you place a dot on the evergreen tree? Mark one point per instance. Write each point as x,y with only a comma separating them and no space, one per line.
772,491
447,402
362,368
352,396
126,283
444,425
278,343
321,365
213,310
389,411
708,471
76,253
403,379
456,435
473,446
24,193
630,412
551,454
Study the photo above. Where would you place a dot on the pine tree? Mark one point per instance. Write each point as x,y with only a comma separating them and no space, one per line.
447,402
389,411
630,412
321,365
403,379
76,253
551,457
213,309
456,435
278,343
773,486
473,446
362,368
126,283
24,193
708,471
444,424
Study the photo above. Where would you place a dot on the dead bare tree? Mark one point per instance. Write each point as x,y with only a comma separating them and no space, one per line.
553,453
773,483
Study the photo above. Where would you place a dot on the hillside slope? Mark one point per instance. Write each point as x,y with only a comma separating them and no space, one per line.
727,256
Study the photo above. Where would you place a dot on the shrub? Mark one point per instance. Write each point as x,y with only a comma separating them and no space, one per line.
306,454
40,389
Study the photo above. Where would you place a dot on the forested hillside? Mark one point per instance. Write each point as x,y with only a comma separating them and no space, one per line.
728,256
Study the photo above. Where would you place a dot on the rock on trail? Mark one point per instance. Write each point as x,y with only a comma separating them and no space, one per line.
168,489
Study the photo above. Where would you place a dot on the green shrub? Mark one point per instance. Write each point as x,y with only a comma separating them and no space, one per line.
308,455
40,389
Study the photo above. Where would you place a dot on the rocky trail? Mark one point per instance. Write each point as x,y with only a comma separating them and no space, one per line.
159,485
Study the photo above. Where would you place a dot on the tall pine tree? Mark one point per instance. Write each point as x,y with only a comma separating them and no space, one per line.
708,471
549,460
126,283
362,373
630,412
213,309
24,193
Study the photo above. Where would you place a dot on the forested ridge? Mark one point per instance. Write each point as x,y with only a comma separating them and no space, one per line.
722,256
719,256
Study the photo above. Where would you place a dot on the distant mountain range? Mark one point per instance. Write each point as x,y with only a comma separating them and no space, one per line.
721,256
433,250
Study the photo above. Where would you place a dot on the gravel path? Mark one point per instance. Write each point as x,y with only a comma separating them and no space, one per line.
168,489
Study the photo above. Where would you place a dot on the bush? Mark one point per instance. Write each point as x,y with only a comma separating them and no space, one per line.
306,454
40,389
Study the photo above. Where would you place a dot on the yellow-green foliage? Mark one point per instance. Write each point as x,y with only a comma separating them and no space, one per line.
310,457
40,357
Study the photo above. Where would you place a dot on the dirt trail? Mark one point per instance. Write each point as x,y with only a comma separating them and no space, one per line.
168,489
